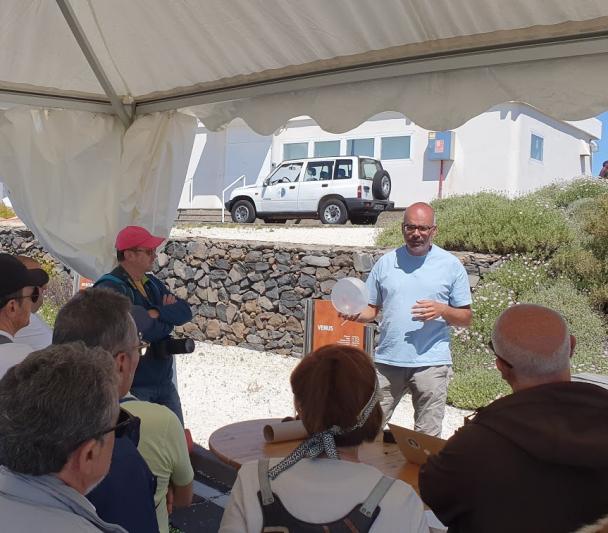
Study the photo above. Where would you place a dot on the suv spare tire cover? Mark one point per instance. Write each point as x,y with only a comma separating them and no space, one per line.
381,186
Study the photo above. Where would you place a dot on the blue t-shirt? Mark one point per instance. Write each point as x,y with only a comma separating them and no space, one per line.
395,283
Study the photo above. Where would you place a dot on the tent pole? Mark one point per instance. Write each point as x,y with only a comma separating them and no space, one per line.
87,50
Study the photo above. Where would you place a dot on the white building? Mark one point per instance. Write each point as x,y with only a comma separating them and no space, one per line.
511,148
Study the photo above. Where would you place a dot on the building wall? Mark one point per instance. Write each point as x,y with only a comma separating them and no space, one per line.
492,152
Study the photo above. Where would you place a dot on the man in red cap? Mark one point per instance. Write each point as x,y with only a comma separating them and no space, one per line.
156,312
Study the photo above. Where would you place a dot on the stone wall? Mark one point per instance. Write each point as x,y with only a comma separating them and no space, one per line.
251,294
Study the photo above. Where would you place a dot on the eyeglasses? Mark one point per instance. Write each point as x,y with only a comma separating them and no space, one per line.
150,252
142,346
35,296
411,228
491,347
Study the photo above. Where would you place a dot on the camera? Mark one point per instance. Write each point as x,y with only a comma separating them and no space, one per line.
170,346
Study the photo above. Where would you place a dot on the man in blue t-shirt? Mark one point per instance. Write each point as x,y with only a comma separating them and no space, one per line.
421,290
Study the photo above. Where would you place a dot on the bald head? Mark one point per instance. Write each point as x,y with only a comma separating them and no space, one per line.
419,211
534,340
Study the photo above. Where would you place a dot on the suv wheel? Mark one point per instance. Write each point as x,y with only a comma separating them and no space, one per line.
243,212
381,186
333,212
364,220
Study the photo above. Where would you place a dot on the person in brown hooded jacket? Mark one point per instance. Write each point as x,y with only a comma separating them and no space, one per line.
535,460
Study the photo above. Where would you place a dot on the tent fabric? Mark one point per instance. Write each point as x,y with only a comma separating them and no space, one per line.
76,178
164,48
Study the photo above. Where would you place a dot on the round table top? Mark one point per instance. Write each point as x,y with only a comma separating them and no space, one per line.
241,442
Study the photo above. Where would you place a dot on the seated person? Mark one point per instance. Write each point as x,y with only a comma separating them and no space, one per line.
534,460
59,420
100,317
336,395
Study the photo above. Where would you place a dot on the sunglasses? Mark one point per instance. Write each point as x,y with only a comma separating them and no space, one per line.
126,421
491,347
35,296
411,228
142,347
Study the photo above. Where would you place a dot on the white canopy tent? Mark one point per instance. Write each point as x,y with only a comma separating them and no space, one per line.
106,91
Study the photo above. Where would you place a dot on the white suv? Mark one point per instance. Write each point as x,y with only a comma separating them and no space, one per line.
332,189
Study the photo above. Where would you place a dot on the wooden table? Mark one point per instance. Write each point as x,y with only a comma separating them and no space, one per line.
238,443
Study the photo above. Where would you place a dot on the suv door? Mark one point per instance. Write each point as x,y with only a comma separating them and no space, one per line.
280,192
316,182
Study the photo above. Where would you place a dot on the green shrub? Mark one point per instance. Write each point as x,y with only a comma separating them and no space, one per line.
6,212
563,194
520,274
491,223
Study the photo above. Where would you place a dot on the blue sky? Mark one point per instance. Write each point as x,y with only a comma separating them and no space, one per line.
602,155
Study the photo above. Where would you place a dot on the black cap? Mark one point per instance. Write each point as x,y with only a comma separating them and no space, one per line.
14,275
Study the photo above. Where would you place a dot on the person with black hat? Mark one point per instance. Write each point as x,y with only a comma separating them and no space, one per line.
19,291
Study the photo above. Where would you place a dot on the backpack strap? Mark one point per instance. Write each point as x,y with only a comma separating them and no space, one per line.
117,281
377,493
267,497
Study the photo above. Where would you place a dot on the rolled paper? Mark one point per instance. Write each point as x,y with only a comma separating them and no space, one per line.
283,431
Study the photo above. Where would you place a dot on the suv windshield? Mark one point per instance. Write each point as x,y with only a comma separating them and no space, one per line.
369,167
286,173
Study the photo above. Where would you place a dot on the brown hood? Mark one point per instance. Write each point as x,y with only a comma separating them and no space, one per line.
561,423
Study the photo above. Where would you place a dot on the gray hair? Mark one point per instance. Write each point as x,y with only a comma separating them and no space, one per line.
97,317
534,339
52,402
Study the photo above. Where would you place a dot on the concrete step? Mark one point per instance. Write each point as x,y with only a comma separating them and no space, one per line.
200,215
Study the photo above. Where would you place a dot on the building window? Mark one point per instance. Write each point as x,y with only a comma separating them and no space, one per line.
363,147
396,147
295,151
536,147
327,148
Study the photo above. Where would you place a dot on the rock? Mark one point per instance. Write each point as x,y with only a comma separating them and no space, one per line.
307,281
342,260
323,274
162,260
220,310
236,298
362,262
239,330
197,249
218,275
179,269
231,312
213,330
254,277
194,300
236,253
208,311
212,295
261,267
179,251
327,286
251,306
283,258
222,295
250,295
293,324
259,287
253,256
181,292
237,273
290,296
276,321
316,260
273,294
473,280
216,252
265,303
254,339
222,264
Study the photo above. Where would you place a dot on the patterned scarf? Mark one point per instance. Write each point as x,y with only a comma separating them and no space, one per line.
324,442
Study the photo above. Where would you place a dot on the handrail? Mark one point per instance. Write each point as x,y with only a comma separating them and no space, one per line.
224,192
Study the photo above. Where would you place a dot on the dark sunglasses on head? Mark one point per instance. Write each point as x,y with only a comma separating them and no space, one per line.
491,348
126,422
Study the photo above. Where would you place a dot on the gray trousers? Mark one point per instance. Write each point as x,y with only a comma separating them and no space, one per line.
428,386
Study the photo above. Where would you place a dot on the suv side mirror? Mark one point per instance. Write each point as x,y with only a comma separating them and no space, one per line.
266,182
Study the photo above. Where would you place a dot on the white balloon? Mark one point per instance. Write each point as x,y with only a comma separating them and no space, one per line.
349,296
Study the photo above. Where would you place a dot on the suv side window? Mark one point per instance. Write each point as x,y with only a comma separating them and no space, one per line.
286,173
319,171
369,167
344,169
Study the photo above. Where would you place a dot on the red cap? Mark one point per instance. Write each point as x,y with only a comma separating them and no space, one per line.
136,236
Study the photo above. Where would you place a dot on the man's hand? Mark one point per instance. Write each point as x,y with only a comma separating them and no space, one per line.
424,310
169,299
153,313
170,499
351,318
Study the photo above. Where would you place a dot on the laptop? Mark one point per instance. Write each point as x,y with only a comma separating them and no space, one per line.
416,446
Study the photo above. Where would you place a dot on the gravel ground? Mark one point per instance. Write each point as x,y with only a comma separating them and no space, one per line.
349,236
220,385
